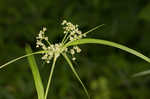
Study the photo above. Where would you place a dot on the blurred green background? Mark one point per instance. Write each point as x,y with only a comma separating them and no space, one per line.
107,72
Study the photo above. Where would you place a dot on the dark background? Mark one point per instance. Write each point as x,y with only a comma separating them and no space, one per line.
107,72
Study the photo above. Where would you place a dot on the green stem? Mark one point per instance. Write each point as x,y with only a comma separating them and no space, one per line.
48,42
67,38
50,78
64,38
93,29
87,31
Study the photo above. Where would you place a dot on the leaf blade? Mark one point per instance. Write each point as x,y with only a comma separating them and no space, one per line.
36,74
116,45
75,73
14,60
108,43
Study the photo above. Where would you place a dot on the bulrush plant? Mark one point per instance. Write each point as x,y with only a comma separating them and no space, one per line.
73,37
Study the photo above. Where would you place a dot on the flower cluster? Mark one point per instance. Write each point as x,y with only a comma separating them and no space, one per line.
40,38
73,34
51,50
54,50
72,30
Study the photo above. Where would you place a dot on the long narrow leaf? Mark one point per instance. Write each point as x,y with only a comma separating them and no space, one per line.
75,73
108,43
112,44
36,74
14,60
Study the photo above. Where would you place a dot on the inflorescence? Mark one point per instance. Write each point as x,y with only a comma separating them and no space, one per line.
71,32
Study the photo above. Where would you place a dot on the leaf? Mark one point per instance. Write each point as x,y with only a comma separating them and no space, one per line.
35,72
14,60
75,73
112,44
108,43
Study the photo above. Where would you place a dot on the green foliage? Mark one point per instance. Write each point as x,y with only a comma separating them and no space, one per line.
36,74
108,43
76,74
35,71
126,22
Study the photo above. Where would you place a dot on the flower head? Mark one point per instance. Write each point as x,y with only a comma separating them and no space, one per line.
54,50
72,30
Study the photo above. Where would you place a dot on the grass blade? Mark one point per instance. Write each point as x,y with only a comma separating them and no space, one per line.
108,43
77,76
36,74
14,60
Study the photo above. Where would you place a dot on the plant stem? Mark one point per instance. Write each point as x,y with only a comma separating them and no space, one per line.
48,42
64,38
50,78
93,29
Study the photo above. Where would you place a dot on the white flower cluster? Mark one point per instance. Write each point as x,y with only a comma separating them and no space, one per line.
54,50
51,50
40,38
72,30
73,34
